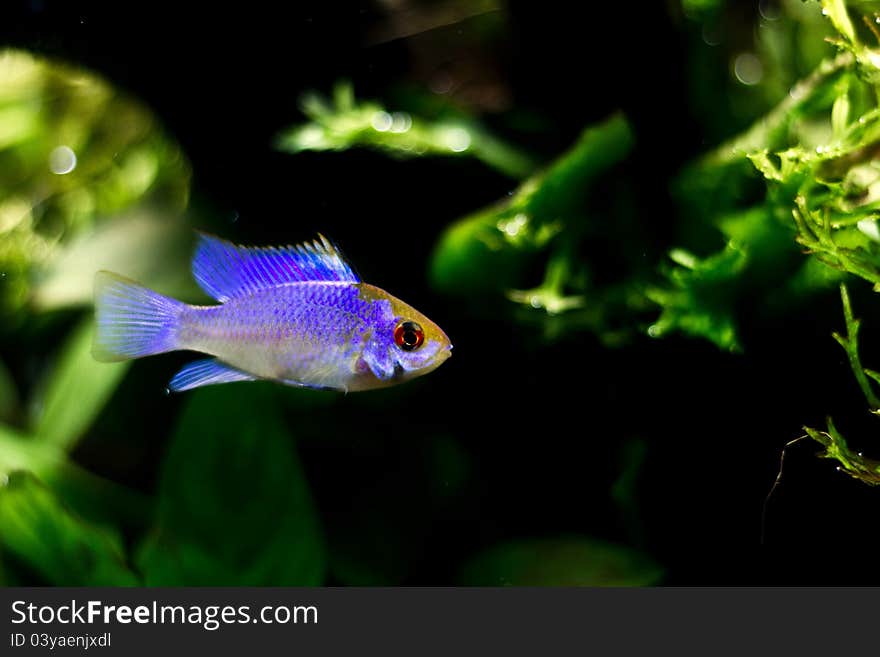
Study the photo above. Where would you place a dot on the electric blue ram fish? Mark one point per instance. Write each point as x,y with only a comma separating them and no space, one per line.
297,315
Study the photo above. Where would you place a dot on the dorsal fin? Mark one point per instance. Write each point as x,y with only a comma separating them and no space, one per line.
225,270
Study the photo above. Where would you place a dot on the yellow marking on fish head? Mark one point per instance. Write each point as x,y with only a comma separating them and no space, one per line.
413,344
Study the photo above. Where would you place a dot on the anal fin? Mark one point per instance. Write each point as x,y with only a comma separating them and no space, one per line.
206,372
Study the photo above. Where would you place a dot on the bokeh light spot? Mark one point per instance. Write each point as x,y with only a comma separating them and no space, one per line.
748,69
458,139
62,160
381,122
400,122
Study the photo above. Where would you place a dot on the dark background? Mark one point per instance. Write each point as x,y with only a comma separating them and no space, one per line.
544,429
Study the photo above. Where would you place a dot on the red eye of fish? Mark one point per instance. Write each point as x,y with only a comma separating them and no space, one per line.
408,336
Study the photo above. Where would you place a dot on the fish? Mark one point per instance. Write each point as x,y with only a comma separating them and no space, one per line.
296,315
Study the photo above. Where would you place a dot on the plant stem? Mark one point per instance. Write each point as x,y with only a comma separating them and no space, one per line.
851,347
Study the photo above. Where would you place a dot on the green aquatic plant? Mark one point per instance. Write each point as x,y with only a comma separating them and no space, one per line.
41,439
703,296
529,218
855,464
814,225
54,541
815,152
233,506
75,153
345,122
54,515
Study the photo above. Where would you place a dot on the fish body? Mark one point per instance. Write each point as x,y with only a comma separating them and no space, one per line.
294,315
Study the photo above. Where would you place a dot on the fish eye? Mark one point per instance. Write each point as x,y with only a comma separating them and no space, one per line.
408,336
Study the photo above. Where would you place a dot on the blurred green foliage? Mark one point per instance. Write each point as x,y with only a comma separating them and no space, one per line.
500,238
41,443
345,123
704,295
234,507
74,153
61,418
855,464
87,180
52,541
815,152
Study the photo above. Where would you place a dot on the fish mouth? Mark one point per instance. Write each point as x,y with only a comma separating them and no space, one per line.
440,357
403,374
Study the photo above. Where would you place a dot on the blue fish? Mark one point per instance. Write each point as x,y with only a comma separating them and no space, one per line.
297,315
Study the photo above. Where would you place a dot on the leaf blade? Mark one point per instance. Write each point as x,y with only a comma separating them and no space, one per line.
234,506
57,545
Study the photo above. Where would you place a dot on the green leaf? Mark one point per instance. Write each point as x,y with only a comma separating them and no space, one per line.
485,251
813,276
840,115
836,12
560,562
77,390
59,547
234,506
854,464
89,494
701,300
705,293
346,123
567,180
20,452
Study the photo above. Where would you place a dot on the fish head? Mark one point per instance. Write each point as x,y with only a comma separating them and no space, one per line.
404,343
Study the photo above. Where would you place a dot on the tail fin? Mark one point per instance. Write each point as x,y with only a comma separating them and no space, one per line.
131,320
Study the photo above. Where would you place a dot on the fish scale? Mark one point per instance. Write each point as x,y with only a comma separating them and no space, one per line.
287,325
